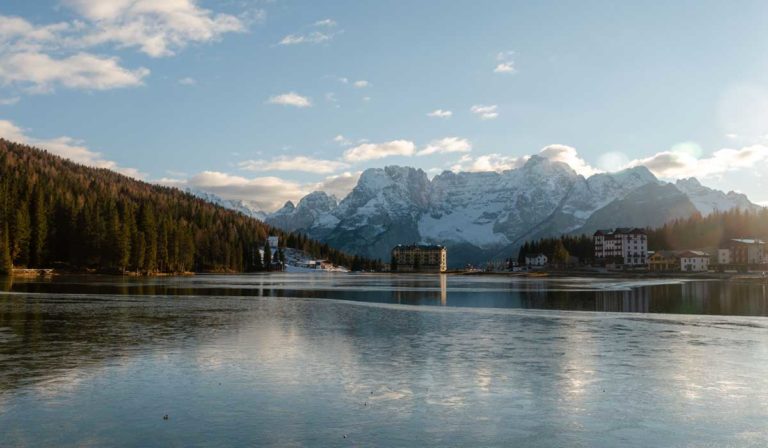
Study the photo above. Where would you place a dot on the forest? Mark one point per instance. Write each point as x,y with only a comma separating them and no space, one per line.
55,213
696,232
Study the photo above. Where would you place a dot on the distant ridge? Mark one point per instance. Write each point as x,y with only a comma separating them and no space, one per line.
484,215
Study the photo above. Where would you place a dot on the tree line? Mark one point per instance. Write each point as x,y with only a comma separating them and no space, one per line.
694,232
56,213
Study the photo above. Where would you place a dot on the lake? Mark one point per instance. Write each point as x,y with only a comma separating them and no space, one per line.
380,360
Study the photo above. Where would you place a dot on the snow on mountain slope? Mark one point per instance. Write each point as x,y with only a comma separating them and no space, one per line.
708,200
484,214
244,207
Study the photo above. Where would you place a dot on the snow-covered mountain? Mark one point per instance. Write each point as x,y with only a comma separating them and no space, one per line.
482,215
708,200
245,207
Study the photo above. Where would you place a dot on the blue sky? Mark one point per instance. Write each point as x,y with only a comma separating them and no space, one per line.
268,100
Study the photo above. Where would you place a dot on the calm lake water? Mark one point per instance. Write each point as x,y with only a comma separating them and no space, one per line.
377,360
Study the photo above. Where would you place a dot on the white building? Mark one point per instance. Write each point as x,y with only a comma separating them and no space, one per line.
694,261
627,246
537,260
723,256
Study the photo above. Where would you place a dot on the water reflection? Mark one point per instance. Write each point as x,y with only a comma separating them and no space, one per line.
79,368
582,294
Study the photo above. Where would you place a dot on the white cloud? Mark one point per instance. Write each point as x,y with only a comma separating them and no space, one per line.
290,99
446,145
188,81
489,162
340,139
505,63
440,113
485,112
321,33
339,185
568,155
9,101
315,37
82,71
268,193
683,161
66,147
296,163
157,28
361,84
42,57
371,151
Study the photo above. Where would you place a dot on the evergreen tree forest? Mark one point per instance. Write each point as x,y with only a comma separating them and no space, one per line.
710,231
696,232
56,213
558,249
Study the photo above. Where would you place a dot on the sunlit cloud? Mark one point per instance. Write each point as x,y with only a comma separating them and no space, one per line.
446,145
371,151
290,99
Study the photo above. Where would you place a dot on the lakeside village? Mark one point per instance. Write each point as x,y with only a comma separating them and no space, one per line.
615,250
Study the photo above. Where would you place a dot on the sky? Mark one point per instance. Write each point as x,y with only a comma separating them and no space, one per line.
269,100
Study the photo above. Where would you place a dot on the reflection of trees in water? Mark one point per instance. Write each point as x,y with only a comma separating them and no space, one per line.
47,335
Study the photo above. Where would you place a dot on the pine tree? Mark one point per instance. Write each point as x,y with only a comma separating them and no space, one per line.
22,233
560,255
39,228
267,256
6,265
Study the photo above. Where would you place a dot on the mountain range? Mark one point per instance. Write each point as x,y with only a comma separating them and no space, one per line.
488,215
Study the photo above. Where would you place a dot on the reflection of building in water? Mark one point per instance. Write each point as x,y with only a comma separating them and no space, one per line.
635,300
443,289
419,258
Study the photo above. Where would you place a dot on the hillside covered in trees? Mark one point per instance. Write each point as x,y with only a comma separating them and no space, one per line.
56,213
696,232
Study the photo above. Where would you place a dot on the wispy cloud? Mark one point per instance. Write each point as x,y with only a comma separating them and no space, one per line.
320,32
290,99
9,101
361,84
295,163
340,139
505,63
440,113
39,58
488,162
685,160
42,73
268,193
446,145
188,81
314,37
156,28
371,151
485,112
